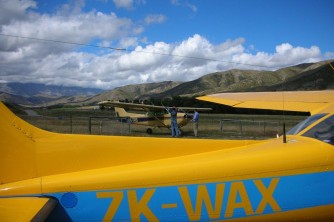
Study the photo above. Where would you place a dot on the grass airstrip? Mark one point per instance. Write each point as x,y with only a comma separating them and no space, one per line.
211,126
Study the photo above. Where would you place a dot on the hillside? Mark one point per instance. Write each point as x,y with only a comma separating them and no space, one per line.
7,97
138,91
130,92
36,93
318,76
310,76
251,80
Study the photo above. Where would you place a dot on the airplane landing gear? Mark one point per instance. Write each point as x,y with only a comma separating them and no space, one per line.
149,131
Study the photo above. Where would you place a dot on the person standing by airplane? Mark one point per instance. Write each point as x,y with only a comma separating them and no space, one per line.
173,122
195,120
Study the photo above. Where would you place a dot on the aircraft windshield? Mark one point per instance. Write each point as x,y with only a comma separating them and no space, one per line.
323,131
302,125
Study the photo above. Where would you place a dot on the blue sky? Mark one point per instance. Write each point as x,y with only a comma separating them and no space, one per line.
228,34
263,24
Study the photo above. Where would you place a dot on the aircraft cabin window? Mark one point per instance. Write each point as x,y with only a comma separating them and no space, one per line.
323,131
305,123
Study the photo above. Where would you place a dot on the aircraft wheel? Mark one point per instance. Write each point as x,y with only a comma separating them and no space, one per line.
149,131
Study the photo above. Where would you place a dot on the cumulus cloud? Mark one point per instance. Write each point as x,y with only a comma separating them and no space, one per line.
31,60
81,28
127,4
192,7
190,59
74,28
159,18
15,9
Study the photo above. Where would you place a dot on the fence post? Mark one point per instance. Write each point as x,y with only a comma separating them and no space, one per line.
90,125
128,120
71,123
240,125
100,127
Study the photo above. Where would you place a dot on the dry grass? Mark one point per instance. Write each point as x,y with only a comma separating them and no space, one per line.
210,126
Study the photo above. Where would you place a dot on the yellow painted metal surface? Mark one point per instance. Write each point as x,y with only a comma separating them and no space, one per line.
230,164
37,162
150,120
22,209
305,101
40,153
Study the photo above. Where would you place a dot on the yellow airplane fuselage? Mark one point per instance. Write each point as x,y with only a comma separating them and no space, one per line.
110,178
160,121
153,119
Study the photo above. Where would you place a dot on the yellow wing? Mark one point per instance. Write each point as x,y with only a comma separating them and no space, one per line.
301,101
26,208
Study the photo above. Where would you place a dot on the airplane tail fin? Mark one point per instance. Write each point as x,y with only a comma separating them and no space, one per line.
17,147
120,112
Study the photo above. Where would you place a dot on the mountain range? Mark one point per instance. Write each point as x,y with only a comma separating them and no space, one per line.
37,93
307,76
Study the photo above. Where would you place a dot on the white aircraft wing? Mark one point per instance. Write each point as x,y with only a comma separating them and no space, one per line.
145,107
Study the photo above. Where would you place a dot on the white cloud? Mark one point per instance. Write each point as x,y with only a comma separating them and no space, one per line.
152,63
82,28
158,18
28,60
186,4
127,4
192,7
73,7
14,9
128,42
295,54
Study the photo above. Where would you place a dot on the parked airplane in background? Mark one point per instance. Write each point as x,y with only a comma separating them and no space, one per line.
153,116
63,177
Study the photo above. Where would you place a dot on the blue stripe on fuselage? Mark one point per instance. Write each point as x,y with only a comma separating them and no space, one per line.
208,201
145,119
